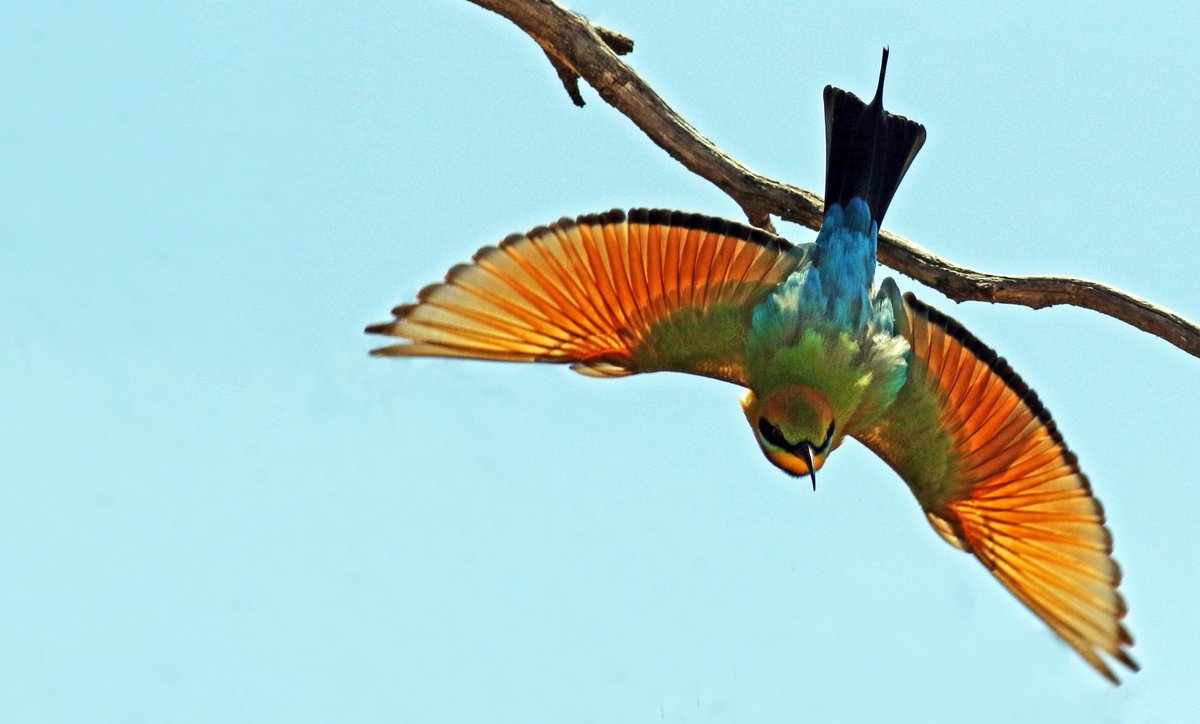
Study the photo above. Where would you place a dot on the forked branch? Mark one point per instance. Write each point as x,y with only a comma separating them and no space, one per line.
578,49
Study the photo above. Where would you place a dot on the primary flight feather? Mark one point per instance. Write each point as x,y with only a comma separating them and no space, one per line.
822,354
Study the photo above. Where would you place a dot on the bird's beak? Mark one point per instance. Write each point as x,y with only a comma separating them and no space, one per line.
807,449
803,460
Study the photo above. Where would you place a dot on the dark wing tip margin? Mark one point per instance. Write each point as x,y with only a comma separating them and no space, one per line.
702,222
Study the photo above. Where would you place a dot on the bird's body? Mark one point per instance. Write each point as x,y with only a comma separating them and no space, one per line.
824,358
823,338
822,354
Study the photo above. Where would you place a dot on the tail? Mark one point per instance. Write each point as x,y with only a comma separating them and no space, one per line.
867,149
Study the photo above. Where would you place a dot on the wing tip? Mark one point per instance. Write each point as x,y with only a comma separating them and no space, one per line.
1127,661
381,328
1119,653
510,240
395,350
428,290
1113,638
1106,671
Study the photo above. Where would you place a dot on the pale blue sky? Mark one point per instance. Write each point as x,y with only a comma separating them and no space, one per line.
216,507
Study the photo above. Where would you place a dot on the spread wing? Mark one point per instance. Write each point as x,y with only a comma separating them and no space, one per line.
608,294
995,478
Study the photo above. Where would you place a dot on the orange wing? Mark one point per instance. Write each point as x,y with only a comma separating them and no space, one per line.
609,294
995,478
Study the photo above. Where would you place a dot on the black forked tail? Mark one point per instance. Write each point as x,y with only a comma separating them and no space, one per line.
867,149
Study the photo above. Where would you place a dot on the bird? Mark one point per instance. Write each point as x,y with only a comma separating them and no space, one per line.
822,355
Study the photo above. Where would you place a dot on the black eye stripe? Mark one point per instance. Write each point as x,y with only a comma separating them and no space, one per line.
772,434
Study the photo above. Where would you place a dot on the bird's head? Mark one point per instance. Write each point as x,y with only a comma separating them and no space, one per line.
794,426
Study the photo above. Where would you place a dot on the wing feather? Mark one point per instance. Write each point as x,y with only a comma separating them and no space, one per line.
612,294
1006,487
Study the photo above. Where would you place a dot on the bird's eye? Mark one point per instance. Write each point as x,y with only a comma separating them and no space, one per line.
772,434
828,439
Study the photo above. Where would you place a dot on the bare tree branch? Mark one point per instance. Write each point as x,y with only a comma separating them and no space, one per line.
578,49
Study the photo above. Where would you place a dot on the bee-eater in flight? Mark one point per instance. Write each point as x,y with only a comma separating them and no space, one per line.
821,354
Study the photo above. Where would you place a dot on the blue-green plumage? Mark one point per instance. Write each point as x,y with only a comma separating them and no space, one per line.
823,349
838,284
